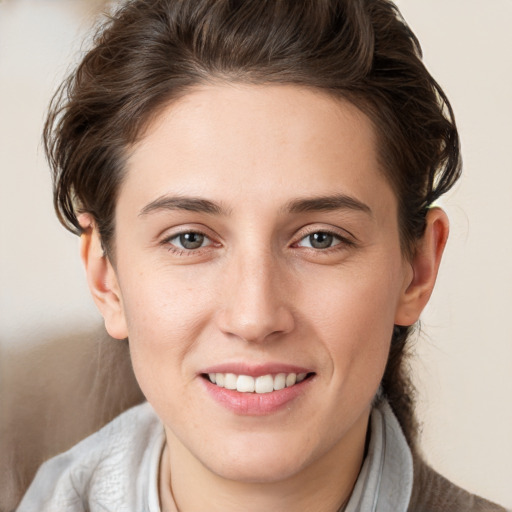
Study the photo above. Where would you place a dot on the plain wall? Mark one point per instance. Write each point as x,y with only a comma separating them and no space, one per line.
464,365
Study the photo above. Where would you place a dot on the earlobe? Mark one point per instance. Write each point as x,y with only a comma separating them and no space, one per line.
102,279
425,265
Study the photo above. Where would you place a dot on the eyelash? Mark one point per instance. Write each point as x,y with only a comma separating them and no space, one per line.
167,242
342,242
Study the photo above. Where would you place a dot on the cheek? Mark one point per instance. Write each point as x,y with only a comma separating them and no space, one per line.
165,314
164,303
354,317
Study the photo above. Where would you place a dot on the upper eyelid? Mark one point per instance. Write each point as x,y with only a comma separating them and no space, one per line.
341,241
184,232
342,234
173,232
177,235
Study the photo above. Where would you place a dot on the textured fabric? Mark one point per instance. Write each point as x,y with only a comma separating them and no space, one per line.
385,481
434,493
116,470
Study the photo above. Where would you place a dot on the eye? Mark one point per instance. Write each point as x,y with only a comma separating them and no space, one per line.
320,240
189,241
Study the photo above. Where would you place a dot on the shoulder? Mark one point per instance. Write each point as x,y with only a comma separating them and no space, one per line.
103,469
434,493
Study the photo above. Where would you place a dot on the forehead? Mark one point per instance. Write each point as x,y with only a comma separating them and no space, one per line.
244,141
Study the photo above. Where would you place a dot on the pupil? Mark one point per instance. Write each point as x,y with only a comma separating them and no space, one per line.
191,240
320,240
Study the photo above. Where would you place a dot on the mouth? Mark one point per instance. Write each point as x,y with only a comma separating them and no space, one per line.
261,384
257,389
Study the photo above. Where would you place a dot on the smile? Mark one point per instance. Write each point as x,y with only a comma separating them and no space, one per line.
256,390
262,384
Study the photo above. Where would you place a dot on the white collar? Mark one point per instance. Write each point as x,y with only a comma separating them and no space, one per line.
385,481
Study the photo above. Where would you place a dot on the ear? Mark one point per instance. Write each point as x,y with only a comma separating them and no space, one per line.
102,279
425,265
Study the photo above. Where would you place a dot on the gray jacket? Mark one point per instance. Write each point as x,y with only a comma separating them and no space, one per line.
116,470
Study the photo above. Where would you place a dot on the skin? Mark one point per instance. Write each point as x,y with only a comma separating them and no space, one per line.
257,292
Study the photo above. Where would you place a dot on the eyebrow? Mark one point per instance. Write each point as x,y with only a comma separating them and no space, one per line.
328,203
200,205
191,204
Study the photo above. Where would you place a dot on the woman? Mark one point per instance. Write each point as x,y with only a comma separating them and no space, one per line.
253,184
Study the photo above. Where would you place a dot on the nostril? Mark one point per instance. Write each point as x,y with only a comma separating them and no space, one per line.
256,324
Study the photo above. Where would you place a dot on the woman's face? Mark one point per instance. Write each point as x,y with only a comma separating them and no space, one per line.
256,236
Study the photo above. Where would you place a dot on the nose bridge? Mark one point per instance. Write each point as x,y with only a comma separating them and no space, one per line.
255,305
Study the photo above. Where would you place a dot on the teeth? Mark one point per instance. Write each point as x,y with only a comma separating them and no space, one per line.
279,381
262,384
220,379
230,382
245,384
291,378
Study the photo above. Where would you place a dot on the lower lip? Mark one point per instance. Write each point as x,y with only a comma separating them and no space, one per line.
255,404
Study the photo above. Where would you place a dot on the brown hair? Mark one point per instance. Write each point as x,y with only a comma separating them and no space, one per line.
151,52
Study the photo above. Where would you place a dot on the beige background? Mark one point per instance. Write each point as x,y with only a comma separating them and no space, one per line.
464,364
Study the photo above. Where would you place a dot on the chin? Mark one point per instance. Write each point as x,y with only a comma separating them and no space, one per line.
250,472
266,461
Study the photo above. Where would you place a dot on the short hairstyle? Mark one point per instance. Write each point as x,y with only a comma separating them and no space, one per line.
149,53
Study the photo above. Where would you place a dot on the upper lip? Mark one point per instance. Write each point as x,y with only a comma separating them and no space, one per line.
255,370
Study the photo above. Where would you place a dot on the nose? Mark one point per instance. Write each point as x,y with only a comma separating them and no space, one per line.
256,300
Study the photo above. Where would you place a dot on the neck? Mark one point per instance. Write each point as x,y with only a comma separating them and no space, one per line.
325,485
